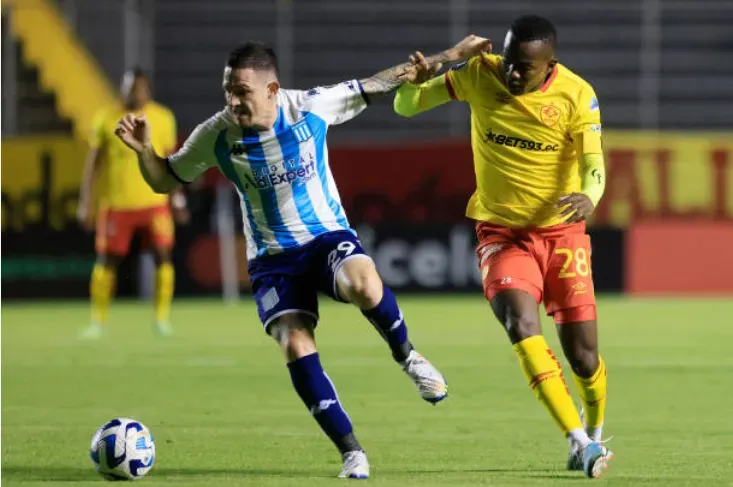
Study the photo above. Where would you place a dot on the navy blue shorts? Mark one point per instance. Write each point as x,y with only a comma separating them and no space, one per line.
290,282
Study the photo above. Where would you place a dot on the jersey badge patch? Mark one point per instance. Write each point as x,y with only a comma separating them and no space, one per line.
549,115
302,130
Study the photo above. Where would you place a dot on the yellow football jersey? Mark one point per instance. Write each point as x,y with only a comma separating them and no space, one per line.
525,148
121,185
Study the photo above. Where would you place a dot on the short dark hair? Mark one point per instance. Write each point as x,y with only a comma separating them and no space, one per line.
534,28
256,55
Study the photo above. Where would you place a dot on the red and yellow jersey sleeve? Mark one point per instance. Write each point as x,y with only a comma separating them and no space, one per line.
586,125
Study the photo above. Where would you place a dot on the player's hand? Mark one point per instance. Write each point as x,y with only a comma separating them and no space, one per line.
134,131
472,45
578,207
85,216
422,70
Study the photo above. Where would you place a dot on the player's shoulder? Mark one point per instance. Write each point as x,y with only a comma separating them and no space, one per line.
571,82
108,114
209,129
481,62
575,90
294,101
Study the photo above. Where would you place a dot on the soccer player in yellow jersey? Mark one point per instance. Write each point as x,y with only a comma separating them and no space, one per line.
125,204
536,139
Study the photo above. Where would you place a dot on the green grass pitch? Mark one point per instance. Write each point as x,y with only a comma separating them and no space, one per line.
218,398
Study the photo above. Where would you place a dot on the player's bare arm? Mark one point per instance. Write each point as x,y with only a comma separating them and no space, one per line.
420,68
134,131
85,210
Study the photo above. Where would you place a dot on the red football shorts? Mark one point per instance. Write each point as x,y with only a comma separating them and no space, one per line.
552,264
115,229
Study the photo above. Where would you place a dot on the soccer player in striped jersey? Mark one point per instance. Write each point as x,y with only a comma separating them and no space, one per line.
536,139
271,144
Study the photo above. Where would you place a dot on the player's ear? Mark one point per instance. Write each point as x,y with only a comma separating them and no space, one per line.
272,88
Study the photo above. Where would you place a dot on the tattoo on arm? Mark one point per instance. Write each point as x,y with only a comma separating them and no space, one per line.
390,79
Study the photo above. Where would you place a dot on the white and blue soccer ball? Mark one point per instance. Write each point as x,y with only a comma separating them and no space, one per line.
123,449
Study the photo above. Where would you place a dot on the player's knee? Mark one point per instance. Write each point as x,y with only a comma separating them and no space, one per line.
361,286
162,256
584,362
294,334
108,260
521,325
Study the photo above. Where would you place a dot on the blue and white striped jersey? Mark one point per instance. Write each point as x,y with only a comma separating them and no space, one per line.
287,191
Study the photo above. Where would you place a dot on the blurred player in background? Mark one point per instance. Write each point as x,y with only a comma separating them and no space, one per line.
117,201
271,143
536,138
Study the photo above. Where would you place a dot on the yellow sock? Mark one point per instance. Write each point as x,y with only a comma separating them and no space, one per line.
101,288
546,378
592,391
165,279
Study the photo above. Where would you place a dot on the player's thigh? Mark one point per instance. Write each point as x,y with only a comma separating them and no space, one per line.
512,283
114,231
345,272
508,265
279,295
569,294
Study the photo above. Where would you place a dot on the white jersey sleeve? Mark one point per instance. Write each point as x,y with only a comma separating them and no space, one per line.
196,155
338,103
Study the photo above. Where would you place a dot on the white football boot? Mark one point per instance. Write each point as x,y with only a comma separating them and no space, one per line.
430,383
356,466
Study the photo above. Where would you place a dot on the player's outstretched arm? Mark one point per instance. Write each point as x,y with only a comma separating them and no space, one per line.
134,131
424,93
416,72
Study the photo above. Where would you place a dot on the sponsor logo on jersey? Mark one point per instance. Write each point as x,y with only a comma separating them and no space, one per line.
296,172
313,92
518,142
549,115
595,127
594,104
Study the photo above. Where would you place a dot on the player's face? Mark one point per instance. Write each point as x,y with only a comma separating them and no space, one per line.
135,91
526,65
251,97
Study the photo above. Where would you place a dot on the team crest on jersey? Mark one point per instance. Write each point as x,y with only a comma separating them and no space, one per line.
549,115
302,130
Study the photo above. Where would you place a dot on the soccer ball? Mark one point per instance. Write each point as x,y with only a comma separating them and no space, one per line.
123,449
